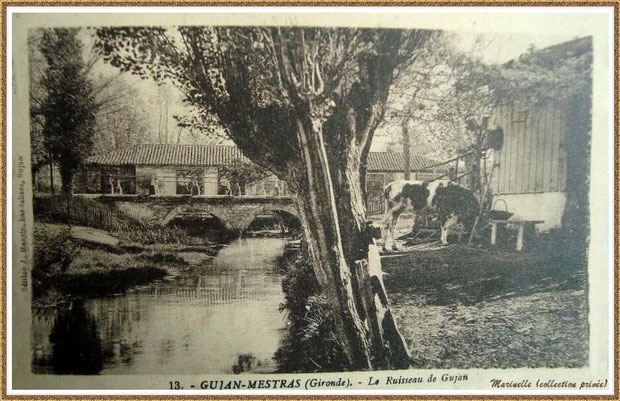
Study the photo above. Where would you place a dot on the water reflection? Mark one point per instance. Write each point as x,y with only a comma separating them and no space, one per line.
221,317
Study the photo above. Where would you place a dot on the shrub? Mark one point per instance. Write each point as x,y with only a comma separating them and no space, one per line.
310,344
53,253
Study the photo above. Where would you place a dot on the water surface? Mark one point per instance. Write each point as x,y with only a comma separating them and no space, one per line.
221,316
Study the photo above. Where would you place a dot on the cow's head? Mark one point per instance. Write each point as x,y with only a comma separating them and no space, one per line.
439,189
417,194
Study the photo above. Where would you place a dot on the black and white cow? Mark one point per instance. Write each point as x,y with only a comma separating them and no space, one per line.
455,206
401,195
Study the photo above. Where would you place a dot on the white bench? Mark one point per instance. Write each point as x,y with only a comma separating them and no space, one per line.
517,222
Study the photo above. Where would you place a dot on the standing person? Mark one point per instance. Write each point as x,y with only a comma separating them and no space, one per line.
111,183
154,184
196,186
119,188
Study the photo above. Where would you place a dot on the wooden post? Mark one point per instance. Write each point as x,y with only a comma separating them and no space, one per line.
482,199
379,320
520,236
406,150
493,232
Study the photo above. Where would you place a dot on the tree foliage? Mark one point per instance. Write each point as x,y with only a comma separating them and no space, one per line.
36,70
240,173
446,107
121,116
68,109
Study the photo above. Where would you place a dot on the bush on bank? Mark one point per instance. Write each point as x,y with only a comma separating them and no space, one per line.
310,344
53,253
62,268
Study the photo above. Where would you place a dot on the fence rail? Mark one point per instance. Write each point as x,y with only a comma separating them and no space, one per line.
375,205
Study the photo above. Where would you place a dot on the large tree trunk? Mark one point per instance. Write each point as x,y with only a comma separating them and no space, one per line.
333,216
323,163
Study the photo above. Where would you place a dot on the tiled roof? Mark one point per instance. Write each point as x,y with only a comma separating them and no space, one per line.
214,155
176,155
392,161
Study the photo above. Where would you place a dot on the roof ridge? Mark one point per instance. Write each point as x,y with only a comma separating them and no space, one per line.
181,144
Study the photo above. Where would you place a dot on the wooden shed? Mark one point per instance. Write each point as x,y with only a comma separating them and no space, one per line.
543,165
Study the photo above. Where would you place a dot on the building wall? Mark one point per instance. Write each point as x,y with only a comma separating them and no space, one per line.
532,159
547,206
171,180
530,169
165,178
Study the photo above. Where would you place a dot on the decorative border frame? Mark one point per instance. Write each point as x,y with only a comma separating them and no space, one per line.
5,4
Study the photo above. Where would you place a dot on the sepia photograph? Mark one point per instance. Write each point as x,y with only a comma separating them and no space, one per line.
267,202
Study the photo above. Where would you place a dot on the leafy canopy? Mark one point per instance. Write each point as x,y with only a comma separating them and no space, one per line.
255,81
69,109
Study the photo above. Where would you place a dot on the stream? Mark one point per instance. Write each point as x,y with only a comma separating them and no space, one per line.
220,316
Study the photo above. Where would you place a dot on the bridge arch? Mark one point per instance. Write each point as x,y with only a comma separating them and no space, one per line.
182,210
286,216
234,218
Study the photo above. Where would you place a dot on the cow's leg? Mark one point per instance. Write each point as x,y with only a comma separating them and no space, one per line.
392,227
444,234
387,224
415,220
447,228
393,220
384,234
459,231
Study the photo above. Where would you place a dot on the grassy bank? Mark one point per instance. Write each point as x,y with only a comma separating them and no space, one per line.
68,267
95,273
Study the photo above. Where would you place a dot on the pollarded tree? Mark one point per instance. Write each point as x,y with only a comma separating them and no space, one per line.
68,110
302,103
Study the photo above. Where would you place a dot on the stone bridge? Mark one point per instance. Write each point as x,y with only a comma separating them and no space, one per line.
234,212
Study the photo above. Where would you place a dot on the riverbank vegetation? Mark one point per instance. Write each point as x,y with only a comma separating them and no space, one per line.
66,267
309,344
154,235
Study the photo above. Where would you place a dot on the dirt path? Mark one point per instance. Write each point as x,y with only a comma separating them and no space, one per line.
460,307
93,235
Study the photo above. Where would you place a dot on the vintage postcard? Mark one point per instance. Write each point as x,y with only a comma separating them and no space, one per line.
306,201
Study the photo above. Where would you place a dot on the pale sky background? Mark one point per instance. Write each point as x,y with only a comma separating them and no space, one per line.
497,48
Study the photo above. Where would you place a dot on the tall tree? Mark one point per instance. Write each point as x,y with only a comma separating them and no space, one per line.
303,103
69,108
36,69
412,88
